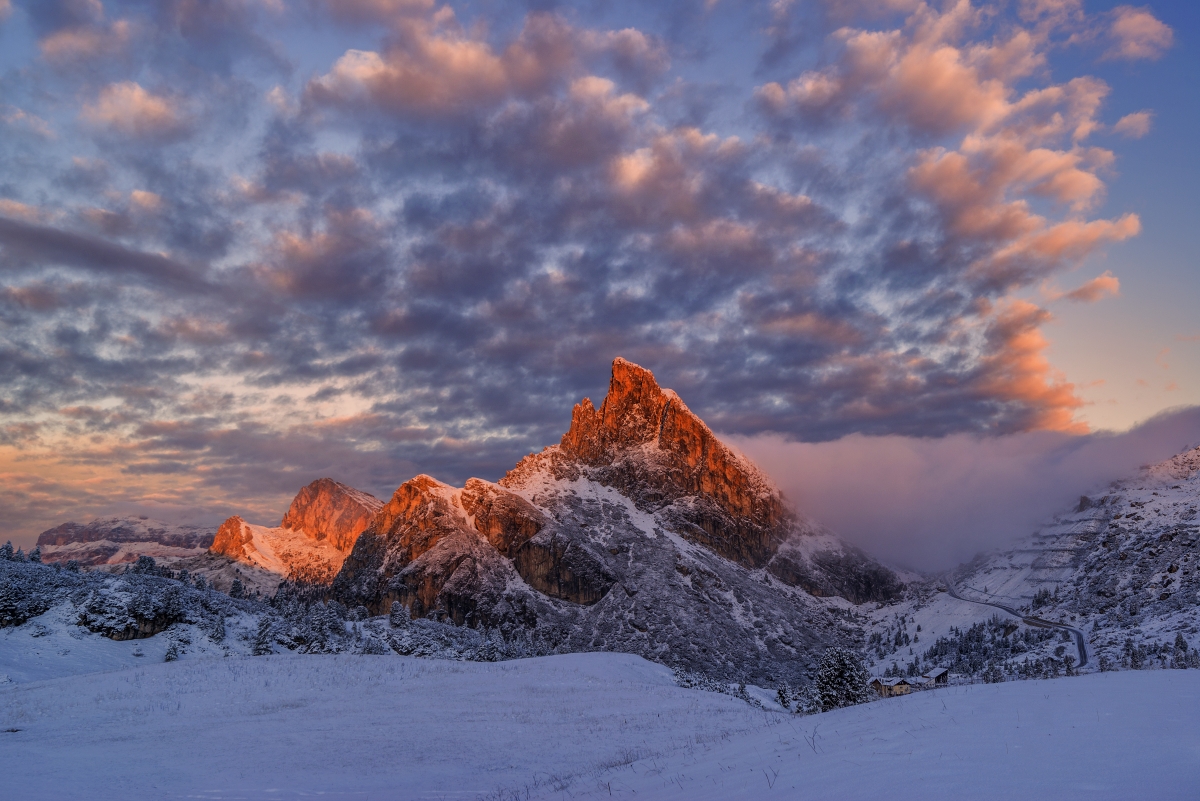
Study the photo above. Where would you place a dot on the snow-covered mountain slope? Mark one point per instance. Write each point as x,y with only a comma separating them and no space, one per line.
120,540
640,532
313,539
1121,565
577,726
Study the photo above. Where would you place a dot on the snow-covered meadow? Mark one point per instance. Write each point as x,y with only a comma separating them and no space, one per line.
579,725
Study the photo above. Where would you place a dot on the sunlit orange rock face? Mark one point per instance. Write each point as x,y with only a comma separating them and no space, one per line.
327,509
313,539
232,538
647,444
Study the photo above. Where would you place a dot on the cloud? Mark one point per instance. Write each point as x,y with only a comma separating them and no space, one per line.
19,118
435,67
1135,125
932,503
378,11
1137,34
126,108
418,253
86,43
1102,286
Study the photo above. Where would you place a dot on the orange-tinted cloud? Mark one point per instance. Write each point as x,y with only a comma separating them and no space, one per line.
438,68
1135,125
1102,286
1015,369
86,43
1137,34
129,109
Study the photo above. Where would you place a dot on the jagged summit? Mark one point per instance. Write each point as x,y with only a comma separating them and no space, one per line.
644,442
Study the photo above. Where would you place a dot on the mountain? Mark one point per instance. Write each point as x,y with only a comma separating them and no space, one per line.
119,540
1121,565
312,540
639,532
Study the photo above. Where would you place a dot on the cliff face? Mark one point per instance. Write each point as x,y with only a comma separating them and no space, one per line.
639,532
327,509
645,442
313,539
232,538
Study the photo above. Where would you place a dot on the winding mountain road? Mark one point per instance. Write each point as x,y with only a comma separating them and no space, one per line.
1028,620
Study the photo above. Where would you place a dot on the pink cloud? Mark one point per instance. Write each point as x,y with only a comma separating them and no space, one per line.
1135,125
1102,286
129,109
437,68
375,10
86,43
1137,34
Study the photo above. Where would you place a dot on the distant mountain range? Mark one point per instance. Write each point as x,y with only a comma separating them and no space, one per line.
641,532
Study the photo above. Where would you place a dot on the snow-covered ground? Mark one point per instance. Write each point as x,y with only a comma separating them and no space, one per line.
579,725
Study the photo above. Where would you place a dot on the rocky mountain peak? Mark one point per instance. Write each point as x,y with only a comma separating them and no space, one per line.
328,509
644,442
630,415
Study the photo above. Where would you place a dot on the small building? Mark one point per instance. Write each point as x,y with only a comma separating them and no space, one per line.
937,676
888,688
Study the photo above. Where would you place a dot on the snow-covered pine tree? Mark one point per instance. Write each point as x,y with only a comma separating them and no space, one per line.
6,551
262,640
841,679
237,590
36,554
783,696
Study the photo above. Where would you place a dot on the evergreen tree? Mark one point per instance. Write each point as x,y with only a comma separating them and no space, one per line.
19,556
841,679
237,590
172,652
201,584
262,640
1179,657
36,554
784,696
6,551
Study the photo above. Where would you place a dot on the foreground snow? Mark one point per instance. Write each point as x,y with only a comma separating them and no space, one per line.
588,725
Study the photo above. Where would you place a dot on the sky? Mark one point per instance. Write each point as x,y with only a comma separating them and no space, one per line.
246,243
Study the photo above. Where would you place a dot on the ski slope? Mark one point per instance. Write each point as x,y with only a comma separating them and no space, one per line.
596,725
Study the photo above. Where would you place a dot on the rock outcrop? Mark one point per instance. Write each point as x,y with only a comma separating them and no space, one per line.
639,532
311,542
329,510
644,442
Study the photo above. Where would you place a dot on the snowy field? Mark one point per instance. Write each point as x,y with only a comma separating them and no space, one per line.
577,726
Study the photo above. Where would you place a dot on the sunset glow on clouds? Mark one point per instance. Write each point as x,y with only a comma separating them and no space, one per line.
249,243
